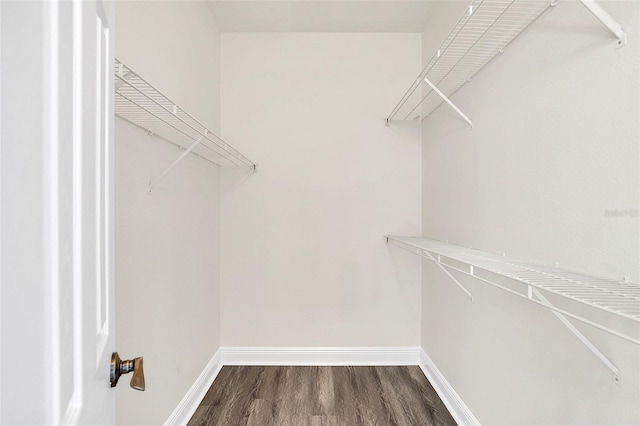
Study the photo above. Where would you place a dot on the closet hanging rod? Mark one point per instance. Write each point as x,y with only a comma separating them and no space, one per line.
134,115
484,30
621,299
157,99
140,103
485,27
475,61
223,152
171,113
169,141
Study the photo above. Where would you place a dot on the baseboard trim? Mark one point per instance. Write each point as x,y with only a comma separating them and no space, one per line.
191,400
320,356
456,406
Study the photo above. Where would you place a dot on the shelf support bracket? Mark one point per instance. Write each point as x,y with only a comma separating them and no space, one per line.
604,17
447,100
175,163
429,256
439,264
617,376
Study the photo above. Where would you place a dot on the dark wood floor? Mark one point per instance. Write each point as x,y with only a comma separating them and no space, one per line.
321,396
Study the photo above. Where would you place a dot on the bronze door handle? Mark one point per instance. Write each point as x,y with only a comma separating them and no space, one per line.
119,367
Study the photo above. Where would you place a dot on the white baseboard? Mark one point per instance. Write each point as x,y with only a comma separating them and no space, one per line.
456,406
320,356
191,400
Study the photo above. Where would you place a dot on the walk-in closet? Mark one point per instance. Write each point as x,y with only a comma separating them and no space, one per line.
320,212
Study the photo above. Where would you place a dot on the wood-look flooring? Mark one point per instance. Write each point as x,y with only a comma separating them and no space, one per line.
321,396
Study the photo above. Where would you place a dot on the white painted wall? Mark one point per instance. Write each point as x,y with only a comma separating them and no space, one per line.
167,242
304,261
554,146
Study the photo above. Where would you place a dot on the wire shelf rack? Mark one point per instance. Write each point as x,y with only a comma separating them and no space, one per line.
614,297
141,104
483,31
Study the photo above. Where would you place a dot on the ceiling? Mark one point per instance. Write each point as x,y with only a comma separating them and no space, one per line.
387,16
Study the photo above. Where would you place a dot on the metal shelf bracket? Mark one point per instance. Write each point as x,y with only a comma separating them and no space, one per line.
441,266
617,376
175,163
606,19
139,103
447,100
482,32
618,298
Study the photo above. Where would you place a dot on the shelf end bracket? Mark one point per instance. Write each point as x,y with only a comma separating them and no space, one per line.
617,376
439,264
175,163
447,100
606,19
427,255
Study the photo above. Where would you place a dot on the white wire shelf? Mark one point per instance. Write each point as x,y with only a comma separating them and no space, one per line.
141,104
483,31
618,298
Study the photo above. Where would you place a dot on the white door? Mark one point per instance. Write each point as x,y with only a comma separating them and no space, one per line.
56,223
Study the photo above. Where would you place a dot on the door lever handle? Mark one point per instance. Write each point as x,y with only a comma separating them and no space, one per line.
119,367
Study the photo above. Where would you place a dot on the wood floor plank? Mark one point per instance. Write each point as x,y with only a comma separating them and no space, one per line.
232,408
346,398
292,405
410,408
261,413
428,394
325,389
317,420
215,393
270,383
199,417
321,396
373,408
332,420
